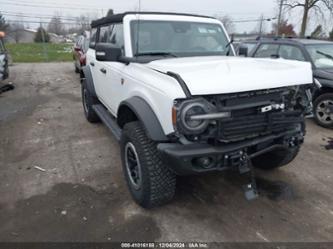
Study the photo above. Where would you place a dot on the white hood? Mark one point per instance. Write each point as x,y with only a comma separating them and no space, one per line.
221,74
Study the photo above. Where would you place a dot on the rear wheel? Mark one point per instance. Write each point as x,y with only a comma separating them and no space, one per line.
150,182
88,101
276,158
323,110
77,70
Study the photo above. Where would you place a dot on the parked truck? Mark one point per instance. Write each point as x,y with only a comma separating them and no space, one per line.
172,92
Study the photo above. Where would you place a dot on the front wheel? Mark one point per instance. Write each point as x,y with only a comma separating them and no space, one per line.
150,182
323,110
276,158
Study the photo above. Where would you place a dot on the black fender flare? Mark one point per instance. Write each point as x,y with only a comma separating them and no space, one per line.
147,117
88,81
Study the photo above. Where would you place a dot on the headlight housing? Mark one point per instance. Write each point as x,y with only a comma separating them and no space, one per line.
193,125
192,117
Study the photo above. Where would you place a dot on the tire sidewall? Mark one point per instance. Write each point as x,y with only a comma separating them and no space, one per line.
85,100
140,195
89,101
323,97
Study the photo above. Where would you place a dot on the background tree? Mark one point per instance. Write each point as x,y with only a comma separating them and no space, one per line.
308,5
318,32
110,12
227,22
3,24
330,35
42,35
56,26
285,28
83,23
16,31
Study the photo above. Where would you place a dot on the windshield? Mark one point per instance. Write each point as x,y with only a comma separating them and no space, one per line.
321,55
178,39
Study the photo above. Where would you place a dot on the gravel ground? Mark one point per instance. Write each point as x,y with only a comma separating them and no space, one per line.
78,193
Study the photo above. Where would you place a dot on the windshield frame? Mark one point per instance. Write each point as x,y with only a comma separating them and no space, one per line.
317,46
229,49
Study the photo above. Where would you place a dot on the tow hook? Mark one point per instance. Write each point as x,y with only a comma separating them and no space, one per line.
246,168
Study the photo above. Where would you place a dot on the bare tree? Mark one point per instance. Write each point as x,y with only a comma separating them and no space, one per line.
56,26
16,31
309,5
83,23
227,22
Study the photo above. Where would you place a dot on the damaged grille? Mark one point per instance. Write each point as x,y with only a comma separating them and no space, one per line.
247,118
247,126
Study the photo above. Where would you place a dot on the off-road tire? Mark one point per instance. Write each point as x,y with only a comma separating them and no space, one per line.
88,101
276,158
158,183
316,103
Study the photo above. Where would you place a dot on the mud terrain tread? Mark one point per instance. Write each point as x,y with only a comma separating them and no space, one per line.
159,183
91,115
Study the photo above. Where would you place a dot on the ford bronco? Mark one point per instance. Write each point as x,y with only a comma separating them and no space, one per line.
172,92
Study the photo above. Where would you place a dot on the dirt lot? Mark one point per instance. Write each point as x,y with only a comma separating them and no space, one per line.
82,194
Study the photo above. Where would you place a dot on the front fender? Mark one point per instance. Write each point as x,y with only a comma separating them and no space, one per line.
147,117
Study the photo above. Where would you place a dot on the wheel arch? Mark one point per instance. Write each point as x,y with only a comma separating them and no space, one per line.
137,109
87,79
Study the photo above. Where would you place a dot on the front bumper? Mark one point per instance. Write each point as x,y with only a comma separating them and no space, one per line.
185,159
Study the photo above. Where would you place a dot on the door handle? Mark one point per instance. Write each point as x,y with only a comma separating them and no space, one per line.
103,70
92,64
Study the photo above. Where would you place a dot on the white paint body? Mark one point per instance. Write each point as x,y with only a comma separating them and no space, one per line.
203,75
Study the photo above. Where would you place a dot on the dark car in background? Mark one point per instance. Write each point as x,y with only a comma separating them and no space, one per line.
248,44
3,58
319,53
79,52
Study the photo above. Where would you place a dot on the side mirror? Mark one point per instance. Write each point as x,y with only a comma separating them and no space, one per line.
107,52
243,51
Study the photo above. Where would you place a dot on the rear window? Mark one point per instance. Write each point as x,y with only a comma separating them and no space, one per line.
93,37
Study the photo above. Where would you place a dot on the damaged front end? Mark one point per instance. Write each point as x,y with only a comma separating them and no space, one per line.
227,131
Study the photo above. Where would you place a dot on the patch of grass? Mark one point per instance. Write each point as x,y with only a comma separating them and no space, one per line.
39,52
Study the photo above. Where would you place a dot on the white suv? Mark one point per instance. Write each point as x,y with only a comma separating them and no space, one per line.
172,92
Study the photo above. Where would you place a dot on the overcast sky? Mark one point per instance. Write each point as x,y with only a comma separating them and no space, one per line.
237,9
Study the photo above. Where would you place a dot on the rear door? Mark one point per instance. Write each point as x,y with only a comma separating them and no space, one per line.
91,56
100,73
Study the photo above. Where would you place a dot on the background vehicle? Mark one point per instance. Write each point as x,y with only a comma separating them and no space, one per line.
250,45
170,89
319,54
3,58
80,49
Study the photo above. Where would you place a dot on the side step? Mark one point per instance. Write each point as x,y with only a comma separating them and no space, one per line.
108,120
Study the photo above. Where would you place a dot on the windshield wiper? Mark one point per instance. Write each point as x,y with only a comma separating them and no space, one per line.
324,54
156,54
